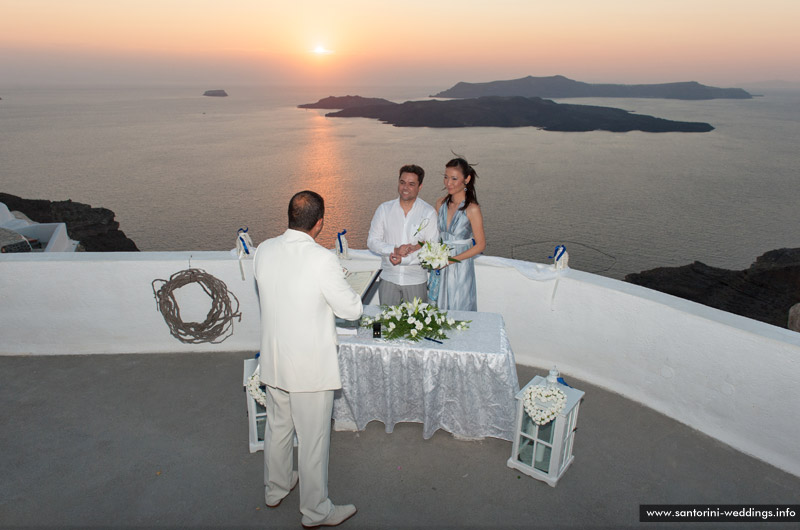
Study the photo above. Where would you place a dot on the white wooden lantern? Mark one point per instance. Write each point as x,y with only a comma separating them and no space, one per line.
544,452
256,413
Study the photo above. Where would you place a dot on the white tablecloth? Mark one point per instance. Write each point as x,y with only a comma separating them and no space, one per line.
465,386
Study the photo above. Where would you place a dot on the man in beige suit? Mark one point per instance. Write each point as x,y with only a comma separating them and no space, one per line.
301,287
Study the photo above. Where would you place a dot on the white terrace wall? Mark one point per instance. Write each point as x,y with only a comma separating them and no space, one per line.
732,378
86,303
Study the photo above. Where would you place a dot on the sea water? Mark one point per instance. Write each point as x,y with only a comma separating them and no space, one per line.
184,172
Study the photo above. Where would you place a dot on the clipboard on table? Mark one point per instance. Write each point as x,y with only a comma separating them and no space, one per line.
364,283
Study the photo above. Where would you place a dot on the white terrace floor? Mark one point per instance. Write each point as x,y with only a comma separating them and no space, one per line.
115,441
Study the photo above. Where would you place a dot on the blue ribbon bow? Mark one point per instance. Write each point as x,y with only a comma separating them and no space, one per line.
244,244
556,253
339,237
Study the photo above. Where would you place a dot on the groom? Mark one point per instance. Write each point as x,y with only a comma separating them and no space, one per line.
396,230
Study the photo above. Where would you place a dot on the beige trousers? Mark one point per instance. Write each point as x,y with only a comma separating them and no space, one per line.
309,415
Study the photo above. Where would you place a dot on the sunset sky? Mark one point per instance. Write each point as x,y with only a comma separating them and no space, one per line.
413,42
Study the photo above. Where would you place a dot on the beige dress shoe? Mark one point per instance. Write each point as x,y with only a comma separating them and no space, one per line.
339,515
275,504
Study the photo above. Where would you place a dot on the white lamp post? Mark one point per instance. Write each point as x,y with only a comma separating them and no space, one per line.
544,452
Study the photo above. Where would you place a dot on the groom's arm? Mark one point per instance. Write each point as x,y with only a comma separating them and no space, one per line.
375,239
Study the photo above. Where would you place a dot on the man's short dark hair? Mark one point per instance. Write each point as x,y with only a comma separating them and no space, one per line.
305,209
413,168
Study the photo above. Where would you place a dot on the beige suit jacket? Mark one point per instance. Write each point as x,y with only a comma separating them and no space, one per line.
301,286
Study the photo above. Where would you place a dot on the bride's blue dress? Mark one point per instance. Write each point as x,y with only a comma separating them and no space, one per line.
457,281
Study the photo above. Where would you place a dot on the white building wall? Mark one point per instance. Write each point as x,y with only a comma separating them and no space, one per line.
732,378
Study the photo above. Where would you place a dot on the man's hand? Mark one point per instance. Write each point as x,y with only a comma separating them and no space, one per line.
394,258
405,250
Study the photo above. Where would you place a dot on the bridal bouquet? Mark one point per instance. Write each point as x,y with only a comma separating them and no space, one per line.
415,320
434,255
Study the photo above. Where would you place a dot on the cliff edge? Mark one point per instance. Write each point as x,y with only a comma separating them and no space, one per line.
765,291
95,228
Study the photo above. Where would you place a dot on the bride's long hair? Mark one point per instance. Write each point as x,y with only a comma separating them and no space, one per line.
468,171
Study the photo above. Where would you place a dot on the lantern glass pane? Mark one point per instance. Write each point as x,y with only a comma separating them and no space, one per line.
542,460
566,450
261,418
261,422
525,451
546,432
528,427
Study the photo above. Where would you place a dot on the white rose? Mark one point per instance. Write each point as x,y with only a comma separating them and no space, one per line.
413,332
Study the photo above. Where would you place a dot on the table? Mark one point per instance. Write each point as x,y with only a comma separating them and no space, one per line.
465,386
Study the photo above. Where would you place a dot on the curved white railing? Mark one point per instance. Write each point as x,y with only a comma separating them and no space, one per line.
735,379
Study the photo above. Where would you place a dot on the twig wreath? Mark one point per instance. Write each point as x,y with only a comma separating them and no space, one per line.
219,320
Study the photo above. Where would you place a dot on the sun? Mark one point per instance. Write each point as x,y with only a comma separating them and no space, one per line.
321,50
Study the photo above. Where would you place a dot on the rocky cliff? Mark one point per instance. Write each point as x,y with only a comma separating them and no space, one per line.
765,291
95,228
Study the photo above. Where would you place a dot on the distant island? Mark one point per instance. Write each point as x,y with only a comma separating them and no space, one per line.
504,112
216,93
559,86
345,102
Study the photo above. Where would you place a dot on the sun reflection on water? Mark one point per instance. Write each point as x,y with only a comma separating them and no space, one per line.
323,171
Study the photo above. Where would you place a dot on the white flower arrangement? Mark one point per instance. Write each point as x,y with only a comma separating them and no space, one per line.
435,255
254,388
543,403
415,320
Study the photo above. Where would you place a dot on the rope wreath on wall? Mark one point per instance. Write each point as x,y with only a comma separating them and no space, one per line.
219,320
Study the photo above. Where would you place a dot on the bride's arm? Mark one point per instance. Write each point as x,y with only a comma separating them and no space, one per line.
476,220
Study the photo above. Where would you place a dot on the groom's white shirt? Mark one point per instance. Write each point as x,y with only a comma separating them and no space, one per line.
391,227
301,286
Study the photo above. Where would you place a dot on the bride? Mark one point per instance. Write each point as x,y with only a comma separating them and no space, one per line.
461,228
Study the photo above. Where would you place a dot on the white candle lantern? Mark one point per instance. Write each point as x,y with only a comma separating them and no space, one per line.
544,452
256,413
